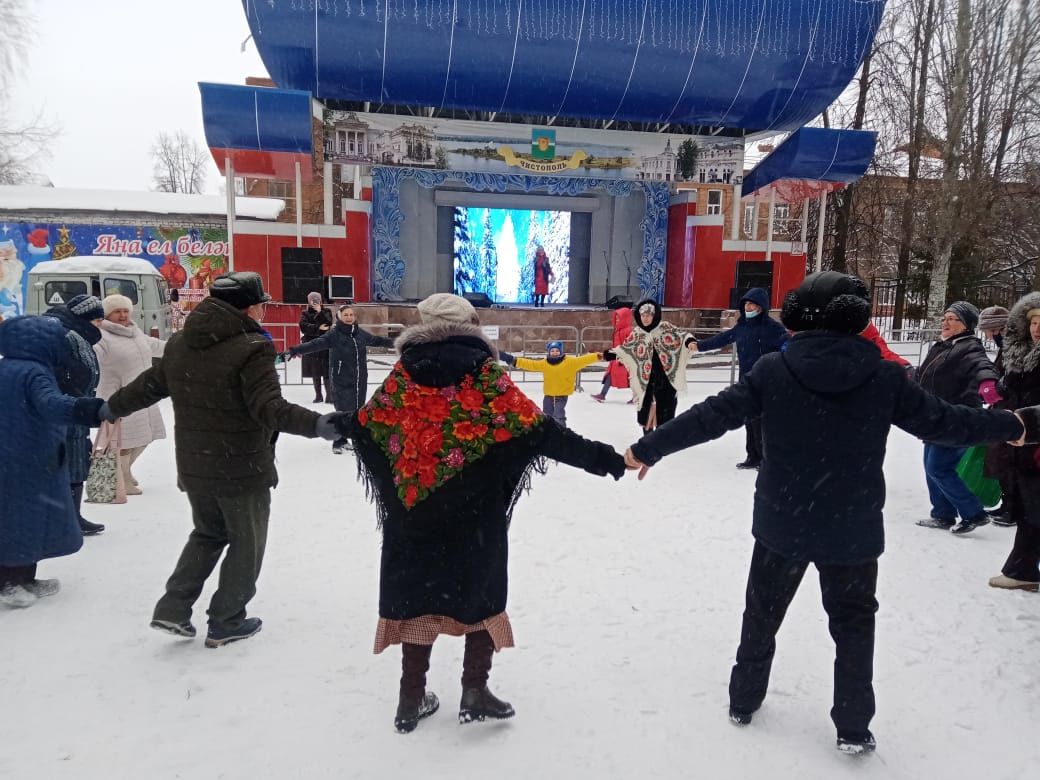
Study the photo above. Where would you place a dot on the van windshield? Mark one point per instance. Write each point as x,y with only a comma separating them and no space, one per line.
59,292
121,287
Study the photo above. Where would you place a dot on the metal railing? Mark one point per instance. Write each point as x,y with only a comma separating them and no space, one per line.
287,334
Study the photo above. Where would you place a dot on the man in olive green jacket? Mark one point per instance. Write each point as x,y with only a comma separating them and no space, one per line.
228,409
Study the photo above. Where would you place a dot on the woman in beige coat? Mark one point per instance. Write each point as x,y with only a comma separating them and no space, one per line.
124,352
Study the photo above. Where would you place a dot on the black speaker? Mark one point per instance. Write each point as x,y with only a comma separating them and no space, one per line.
750,273
340,288
301,273
478,299
620,302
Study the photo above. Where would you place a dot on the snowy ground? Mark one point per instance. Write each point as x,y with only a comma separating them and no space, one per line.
626,601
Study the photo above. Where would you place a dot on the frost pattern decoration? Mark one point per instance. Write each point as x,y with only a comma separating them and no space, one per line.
388,266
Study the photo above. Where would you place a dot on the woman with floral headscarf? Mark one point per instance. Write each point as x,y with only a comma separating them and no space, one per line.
655,355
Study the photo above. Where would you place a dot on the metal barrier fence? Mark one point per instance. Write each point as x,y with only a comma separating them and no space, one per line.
286,334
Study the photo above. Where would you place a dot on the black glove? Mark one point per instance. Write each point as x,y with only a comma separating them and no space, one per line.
325,426
105,414
609,355
508,358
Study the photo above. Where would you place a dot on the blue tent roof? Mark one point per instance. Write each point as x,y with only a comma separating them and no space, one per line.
770,64
256,118
813,159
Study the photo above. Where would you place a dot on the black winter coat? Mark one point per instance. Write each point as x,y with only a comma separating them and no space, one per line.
448,554
227,401
827,404
316,363
348,362
753,337
954,369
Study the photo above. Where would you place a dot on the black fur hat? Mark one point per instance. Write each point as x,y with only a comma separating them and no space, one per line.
828,300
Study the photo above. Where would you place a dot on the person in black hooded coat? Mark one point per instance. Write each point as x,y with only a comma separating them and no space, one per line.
315,321
78,377
827,404
447,444
348,345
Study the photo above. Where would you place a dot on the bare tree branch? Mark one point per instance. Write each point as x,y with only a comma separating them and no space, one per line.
180,163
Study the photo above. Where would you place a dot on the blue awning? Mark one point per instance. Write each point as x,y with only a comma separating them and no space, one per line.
812,160
258,119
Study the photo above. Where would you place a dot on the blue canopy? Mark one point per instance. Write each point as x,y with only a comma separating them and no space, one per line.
753,64
812,160
256,118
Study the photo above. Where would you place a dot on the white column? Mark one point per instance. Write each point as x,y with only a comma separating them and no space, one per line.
805,222
769,225
819,231
299,206
738,211
229,188
327,191
357,182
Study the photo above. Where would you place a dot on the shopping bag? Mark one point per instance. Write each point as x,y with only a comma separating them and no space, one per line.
105,480
970,470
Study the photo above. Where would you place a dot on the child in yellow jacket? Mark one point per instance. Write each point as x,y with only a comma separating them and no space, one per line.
559,371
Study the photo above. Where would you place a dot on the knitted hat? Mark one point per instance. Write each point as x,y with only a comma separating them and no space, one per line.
993,317
445,308
113,302
966,313
314,298
551,345
86,307
829,300
241,289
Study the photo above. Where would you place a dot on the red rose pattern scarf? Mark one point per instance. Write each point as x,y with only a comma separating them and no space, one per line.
429,434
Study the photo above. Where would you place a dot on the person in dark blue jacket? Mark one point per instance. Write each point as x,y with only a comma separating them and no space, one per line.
827,404
755,334
38,518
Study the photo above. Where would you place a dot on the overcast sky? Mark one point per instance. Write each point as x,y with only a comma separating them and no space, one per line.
113,73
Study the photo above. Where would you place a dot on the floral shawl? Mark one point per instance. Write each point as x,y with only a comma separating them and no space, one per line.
430,434
636,354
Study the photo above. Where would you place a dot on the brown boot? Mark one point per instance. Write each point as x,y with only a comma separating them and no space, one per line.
414,702
478,703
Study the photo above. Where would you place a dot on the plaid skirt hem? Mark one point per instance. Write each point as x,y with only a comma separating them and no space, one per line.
423,630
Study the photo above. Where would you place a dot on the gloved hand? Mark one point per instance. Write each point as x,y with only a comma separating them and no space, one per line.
989,392
286,356
508,358
325,426
105,414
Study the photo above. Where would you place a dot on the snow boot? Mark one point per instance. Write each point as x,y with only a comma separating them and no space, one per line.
1010,583
184,629
88,528
937,522
16,597
414,702
740,718
478,703
969,525
856,743
218,636
41,588
749,464
598,397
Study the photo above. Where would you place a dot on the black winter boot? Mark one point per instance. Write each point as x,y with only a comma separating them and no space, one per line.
478,703
414,702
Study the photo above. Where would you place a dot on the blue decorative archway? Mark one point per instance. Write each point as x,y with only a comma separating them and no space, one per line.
388,266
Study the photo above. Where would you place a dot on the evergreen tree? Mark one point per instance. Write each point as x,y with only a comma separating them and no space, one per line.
488,259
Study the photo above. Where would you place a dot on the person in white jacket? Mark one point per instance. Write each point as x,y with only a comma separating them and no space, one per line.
124,352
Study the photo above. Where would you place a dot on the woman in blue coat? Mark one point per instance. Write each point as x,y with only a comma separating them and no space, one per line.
755,334
37,517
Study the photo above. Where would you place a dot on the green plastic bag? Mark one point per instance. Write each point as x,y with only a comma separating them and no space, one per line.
970,470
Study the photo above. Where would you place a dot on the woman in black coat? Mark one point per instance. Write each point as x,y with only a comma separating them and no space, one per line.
78,377
827,405
315,321
447,445
957,370
347,344
1017,468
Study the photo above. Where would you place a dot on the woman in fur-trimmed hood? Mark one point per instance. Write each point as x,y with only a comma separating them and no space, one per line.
1017,467
655,355
446,445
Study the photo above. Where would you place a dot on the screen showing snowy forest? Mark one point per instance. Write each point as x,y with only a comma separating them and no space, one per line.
495,250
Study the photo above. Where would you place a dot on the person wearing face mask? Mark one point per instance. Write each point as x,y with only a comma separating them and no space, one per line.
755,334
655,355
957,370
347,344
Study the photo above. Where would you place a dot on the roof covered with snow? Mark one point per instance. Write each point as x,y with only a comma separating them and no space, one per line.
33,198
94,265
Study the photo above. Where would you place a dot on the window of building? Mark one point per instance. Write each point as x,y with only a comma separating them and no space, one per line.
781,211
750,214
714,201
286,191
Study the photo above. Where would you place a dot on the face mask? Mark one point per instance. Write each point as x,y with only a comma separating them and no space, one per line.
750,314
